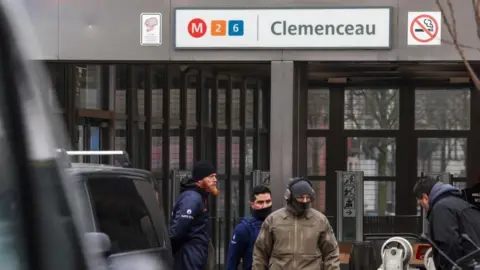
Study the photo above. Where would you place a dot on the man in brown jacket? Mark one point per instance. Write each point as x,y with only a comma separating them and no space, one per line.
296,236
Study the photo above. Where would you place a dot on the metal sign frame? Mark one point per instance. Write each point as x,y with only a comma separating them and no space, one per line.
351,205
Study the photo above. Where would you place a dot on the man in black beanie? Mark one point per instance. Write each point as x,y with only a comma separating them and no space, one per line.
301,234
190,222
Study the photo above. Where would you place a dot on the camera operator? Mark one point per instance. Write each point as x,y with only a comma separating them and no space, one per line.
449,217
472,194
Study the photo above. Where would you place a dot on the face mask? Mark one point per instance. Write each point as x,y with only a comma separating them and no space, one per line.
261,214
299,207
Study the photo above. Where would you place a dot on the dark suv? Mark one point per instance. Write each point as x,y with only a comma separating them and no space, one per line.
124,205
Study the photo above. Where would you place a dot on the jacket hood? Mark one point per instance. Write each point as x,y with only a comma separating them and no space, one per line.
439,190
190,184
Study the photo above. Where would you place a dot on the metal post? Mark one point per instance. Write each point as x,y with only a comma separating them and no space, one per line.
350,202
359,205
339,206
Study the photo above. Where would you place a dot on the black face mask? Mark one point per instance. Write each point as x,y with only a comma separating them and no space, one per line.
300,207
261,214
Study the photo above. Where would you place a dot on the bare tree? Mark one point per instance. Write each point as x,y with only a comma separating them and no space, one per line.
451,25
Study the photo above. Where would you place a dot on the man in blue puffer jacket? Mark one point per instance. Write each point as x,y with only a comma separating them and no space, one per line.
246,232
190,223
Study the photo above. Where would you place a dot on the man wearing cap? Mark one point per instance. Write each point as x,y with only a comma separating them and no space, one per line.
296,236
190,222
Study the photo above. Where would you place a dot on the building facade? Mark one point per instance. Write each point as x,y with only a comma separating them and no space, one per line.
292,87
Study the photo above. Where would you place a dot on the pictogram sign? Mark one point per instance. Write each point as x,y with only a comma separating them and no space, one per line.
424,28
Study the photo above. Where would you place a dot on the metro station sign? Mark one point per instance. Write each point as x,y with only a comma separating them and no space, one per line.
286,28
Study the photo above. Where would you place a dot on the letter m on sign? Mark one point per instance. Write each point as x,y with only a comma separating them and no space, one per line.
197,28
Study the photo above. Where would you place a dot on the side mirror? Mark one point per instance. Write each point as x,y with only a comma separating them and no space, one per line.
98,242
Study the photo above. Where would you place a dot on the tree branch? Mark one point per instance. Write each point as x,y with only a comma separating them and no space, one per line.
453,33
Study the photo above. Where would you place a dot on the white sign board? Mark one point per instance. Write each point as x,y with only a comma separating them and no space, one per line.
151,29
329,28
424,28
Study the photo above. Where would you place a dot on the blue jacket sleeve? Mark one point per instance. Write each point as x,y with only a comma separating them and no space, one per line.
237,247
185,211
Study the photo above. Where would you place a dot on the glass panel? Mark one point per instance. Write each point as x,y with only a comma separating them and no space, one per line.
320,195
209,85
371,109
316,156
220,245
379,198
437,155
121,88
192,108
260,109
318,108
249,155
89,85
442,109
175,108
460,185
190,153
158,81
174,152
120,135
248,208
235,155
235,202
94,143
80,145
221,108
140,85
221,155
249,109
236,105
157,146
141,146
373,156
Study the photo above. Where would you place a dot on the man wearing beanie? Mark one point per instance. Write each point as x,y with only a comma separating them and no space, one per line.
190,222
296,236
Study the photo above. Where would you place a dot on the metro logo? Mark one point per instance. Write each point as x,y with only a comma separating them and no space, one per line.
197,28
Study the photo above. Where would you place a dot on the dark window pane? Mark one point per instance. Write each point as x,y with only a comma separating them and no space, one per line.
120,135
442,109
190,152
373,156
121,88
438,155
236,105
157,147
221,155
235,159
318,108
316,156
260,109
371,109
174,153
320,195
191,108
379,198
249,109
89,85
158,82
249,156
140,87
221,108
175,108
122,214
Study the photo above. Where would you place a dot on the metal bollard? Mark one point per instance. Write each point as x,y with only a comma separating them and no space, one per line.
361,256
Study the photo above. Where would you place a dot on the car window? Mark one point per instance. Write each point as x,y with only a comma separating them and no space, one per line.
122,214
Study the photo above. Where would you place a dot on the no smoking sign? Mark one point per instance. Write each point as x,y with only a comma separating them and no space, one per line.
424,28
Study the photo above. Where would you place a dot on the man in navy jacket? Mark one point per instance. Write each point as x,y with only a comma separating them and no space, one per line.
246,232
190,223
449,217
